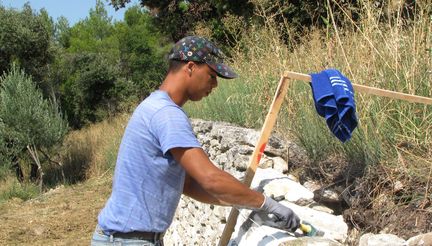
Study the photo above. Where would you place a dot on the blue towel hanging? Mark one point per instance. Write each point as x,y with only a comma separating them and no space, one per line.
333,95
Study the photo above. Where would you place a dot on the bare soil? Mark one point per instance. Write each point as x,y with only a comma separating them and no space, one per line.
62,216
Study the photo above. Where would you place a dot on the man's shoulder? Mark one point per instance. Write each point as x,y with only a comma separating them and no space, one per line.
159,106
158,99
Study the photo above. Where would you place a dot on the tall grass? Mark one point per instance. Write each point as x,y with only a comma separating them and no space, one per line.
92,151
392,54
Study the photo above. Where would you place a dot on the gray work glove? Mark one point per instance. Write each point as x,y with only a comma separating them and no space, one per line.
284,218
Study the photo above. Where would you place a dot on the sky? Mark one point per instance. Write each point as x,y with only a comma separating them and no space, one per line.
73,10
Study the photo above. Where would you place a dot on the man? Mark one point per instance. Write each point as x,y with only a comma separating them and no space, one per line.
160,158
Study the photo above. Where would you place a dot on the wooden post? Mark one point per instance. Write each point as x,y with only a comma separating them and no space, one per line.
257,153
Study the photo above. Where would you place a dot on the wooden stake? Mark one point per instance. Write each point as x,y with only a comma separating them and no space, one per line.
257,154
370,90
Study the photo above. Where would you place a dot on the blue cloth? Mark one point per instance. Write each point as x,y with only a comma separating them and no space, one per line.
148,182
333,95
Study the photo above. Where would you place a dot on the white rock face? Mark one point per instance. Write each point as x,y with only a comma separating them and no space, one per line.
264,176
333,226
288,189
422,239
370,239
280,164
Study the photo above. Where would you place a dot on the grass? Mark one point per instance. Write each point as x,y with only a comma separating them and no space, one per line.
92,151
235,102
11,188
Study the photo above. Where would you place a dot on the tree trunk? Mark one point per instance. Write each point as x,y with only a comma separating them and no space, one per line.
59,163
18,170
33,152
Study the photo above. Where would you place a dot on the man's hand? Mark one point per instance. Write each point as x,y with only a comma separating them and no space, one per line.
284,217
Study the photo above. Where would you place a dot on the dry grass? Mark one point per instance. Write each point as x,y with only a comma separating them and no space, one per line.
92,152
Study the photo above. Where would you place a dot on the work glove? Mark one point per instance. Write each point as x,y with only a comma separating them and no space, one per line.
283,217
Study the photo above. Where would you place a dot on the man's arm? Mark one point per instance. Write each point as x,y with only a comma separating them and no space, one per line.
194,190
209,184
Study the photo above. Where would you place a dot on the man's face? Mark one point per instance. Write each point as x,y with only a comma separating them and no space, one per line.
203,80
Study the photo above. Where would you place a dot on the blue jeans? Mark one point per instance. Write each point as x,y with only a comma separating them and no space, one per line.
101,239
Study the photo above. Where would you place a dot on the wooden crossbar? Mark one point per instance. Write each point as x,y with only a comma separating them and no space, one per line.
370,90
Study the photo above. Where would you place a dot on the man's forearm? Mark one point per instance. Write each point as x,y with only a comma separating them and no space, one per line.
220,186
195,191
228,189
226,195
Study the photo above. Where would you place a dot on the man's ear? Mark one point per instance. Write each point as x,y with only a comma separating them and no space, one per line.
190,66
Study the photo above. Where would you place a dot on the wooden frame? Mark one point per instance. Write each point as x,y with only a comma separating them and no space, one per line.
271,119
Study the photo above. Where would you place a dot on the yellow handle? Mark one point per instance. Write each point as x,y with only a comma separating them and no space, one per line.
305,228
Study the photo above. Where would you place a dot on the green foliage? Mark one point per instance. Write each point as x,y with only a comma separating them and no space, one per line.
390,57
87,90
236,99
94,34
5,158
180,18
25,38
92,86
142,50
26,118
24,191
62,32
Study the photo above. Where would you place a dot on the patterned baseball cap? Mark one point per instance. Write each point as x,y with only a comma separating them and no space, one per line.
198,49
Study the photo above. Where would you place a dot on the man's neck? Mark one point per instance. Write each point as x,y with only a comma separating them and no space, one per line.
174,86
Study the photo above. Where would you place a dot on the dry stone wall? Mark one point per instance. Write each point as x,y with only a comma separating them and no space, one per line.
230,147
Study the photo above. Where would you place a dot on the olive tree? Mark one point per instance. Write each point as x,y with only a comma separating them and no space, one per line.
29,124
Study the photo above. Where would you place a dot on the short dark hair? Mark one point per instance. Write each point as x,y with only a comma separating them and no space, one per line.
175,65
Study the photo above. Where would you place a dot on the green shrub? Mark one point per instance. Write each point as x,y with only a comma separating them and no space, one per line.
24,191
29,124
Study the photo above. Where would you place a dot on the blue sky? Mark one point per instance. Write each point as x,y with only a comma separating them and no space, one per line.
73,10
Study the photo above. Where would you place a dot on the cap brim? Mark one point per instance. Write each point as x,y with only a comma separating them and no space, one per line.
223,70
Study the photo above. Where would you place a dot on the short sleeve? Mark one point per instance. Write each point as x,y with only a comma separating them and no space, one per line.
172,128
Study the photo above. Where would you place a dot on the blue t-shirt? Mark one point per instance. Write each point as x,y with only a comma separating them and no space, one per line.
148,182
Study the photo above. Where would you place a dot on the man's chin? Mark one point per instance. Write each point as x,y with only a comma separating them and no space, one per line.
195,99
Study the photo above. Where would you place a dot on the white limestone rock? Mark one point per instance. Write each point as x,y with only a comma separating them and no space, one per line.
334,227
422,239
280,164
264,176
312,186
370,239
290,190
310,241
247,232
